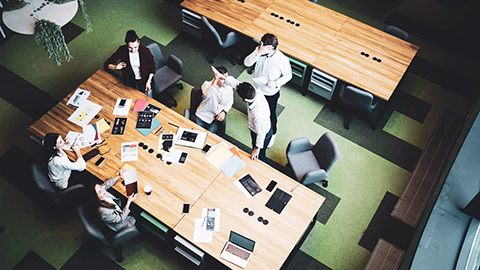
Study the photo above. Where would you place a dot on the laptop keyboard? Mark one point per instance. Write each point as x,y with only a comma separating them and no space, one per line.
237,251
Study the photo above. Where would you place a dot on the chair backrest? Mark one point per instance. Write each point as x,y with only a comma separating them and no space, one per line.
92,223
157,55
395,31
42,182
195,99
357,98
213,31
175,64
326,151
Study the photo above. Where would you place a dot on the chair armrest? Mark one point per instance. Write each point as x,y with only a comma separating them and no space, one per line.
175,64
186,113
298,145
73,194
124,235
231,39
314,176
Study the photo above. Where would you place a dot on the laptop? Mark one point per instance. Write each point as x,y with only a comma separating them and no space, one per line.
190,138
238,249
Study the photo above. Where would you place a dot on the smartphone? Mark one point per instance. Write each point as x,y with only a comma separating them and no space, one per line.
271,185
183,157
99,161
122,103
186,208
206,148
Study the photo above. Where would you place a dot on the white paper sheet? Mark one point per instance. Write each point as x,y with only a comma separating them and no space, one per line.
78,97
129,151
124,110
85,113
200,234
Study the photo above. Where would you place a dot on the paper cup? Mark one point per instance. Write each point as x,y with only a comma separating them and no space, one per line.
147,189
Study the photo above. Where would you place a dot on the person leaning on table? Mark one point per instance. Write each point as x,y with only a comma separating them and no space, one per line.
258,120
108,206
136,62
58,164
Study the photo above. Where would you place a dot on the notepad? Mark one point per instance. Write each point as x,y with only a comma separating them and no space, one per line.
219,155
139,105
146,131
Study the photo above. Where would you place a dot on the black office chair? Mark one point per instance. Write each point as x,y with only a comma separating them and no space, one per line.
222,44
99,231
357,100
167,74
395,31
312,163
195,99
71,196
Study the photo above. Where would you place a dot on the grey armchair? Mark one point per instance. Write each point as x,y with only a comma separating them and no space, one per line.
221,43
357,99
312,163
99,231
195,99
395,31
68,197
167,73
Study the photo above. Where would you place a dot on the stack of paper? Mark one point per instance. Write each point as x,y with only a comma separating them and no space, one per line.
225,158
85,113
205,226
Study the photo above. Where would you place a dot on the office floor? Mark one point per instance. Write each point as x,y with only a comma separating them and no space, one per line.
372,163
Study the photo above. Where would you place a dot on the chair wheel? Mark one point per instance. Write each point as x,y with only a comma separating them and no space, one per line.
180,87
325,184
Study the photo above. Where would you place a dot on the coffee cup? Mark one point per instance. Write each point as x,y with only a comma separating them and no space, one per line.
147,189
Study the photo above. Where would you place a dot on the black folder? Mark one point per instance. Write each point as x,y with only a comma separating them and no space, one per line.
278,200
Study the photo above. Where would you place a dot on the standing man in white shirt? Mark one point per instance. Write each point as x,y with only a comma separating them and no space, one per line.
272,70
258,120
217,99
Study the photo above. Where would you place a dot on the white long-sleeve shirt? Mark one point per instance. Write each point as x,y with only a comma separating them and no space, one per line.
60,168
259,118
216,99
275,68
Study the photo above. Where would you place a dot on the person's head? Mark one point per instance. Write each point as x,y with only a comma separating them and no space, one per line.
270,39
132,41
51,144
246,92
98,194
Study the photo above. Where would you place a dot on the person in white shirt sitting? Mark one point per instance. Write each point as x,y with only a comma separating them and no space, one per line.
217,99
272,70
258,120
59,166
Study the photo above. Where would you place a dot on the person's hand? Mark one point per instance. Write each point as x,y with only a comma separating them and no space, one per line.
272,85
265,49
220,116
148,87
76,149
120,65
255,153
121,172
132,197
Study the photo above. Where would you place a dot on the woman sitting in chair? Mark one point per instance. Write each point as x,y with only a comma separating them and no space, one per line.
59,166
109,206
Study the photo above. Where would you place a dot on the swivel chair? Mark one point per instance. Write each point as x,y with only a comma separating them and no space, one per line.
357,100
222,44
312,163
167,73
395,31
99,231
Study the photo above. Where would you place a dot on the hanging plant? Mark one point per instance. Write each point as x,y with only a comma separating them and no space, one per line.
14,4
50,35
83,12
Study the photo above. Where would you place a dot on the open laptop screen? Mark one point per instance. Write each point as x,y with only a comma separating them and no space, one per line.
242,241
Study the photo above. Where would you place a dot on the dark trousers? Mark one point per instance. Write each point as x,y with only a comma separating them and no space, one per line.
272,103
140,86
217,127
263,152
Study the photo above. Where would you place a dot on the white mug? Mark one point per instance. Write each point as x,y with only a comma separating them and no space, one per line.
147,189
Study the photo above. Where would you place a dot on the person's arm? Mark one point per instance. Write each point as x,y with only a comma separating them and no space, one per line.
286,71
151,69
112,181
65,163
252,58
114,216
111,62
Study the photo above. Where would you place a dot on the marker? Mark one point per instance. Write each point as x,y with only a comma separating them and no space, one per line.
294,188
173,125
158,130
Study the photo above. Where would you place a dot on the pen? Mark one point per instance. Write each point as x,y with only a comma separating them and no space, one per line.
173,124
203,222
74,141
294,188
158,130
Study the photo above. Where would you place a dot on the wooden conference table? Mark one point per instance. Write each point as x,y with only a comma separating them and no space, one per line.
197,182
319,37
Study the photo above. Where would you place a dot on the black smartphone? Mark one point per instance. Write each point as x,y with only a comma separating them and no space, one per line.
272,184
183,157
99,161
186,208
206,148
122,103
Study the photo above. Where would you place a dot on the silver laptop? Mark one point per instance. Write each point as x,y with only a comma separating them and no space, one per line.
238,249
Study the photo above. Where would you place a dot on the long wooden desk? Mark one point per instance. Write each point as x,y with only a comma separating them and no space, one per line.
197,182
323,39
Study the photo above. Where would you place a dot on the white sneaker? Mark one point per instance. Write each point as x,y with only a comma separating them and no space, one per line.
272,141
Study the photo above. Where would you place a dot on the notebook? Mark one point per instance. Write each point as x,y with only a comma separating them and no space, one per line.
278,200
238,250
191,138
